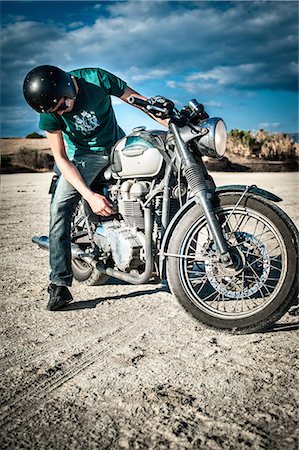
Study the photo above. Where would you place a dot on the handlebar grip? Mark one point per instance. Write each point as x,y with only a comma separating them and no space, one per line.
137,101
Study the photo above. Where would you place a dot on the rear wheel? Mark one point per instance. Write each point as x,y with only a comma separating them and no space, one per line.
85,273
264,246
82,271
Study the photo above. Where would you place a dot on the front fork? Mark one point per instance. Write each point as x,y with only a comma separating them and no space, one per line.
198,186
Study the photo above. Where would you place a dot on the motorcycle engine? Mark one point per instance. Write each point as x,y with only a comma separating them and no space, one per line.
124,239
119,241
131,192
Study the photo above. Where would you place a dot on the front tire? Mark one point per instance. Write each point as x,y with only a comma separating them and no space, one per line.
261,288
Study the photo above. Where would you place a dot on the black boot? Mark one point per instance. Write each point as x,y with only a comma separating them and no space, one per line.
59,296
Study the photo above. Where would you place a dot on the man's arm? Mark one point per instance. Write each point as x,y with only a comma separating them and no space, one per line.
128,92
98,203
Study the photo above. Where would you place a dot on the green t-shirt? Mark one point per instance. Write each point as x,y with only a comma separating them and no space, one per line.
91,125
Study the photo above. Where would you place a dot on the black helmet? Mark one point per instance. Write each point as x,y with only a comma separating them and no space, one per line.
44,86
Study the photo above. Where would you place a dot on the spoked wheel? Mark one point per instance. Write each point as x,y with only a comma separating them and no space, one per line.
82,271
260,287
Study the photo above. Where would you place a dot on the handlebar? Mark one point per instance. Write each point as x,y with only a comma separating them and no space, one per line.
137,101
145,104
191,114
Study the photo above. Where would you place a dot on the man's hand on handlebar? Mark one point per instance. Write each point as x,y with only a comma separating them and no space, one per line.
161,107
163,110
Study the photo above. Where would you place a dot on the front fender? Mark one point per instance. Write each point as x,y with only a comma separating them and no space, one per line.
253,189
219,190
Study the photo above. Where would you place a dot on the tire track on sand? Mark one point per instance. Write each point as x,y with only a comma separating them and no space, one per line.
29,361
51,360
28,355
19,409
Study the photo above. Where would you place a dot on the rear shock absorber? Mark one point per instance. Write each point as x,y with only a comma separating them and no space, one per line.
157,219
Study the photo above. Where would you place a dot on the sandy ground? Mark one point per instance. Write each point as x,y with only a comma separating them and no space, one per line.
124,367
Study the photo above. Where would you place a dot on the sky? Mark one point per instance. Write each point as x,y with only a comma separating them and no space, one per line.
240,59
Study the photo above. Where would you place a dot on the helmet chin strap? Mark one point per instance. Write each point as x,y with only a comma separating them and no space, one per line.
76,85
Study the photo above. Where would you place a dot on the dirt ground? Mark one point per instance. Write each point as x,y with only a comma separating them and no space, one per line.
124,367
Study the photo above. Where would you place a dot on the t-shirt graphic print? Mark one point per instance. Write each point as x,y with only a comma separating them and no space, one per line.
86,122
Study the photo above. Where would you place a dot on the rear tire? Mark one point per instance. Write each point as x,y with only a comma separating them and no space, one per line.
82,271
260,290
86,274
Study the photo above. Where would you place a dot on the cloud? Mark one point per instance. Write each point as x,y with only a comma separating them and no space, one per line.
214,104
171,83
194,46
244,76
116,101
269,125
232,45
76,24
18,121
135,75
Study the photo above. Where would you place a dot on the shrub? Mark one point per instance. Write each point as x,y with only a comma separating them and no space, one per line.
276,146
27,157
240,143
263,145
5,161
32,159
35,136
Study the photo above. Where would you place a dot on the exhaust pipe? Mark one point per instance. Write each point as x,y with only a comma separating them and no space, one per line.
43,242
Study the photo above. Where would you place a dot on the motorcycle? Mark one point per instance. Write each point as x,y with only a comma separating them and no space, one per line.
228,253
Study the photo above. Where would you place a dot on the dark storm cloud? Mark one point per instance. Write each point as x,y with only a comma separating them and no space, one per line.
221,45
203,36
25,44
135,37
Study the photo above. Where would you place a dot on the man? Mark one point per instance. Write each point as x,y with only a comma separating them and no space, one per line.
78,118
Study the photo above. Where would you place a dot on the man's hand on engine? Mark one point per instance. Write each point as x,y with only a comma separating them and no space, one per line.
100,205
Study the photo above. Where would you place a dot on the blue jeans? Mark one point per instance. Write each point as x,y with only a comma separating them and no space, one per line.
63,204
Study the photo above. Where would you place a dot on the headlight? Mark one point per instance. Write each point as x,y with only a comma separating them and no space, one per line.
213,143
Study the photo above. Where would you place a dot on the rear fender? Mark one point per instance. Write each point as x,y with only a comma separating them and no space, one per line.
219,190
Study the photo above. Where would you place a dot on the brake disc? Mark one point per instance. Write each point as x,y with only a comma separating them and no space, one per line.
248,278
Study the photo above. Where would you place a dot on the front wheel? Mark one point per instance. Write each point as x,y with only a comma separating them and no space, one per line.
263,243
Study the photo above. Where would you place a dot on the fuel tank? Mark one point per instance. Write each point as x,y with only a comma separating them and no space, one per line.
137,155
